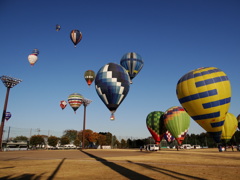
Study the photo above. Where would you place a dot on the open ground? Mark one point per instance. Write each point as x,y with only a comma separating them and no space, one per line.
88,164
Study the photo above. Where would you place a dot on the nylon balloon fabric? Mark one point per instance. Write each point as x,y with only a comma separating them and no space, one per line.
205,94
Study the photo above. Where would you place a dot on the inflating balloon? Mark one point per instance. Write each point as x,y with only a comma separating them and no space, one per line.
112,84
177,122
155,125
7,116
75,36
205,94
89,76
133,63
168,137
229,127
63,104
75,101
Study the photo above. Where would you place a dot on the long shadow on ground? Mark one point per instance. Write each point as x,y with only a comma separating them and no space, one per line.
120,169
173,174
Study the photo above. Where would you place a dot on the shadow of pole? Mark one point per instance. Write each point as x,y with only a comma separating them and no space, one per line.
120,169
167,172
56,170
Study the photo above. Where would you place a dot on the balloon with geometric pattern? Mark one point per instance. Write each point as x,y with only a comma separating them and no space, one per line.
112,84
177,122
63,104
155,125
133,63
58,27
75,101
168,137
205,94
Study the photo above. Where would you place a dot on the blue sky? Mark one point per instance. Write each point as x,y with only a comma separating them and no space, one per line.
173,37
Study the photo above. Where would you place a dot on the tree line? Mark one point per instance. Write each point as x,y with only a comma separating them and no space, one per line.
93,139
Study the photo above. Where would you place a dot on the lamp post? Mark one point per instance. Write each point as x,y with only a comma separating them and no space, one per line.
85,103
9,82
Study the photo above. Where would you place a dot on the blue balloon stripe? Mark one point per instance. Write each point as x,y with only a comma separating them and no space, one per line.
211,81
198,96
206,116
217,124
217,103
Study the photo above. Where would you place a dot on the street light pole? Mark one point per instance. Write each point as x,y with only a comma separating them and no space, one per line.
9,82
85,103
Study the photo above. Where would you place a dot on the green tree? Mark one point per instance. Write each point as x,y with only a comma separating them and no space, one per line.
101,140
71,134
52,141
64,140
37,140
123,143
20,138
77,142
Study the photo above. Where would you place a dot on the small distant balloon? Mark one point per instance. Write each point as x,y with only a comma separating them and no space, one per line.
133,63
58,27
35,51
32,59
75,101
7,116
76,36
89,76
63,104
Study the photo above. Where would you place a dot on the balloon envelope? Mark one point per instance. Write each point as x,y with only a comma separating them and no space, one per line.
205,94
168,137
35,51
32,58
177,122
7,115
63,104
112,85
133,63
75,101
238,118
58,27
89,76
75,36
155,125
229,127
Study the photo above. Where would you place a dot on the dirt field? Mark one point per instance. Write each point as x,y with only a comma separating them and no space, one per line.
97,164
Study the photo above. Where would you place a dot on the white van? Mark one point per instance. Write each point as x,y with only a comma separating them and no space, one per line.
152,147
186,146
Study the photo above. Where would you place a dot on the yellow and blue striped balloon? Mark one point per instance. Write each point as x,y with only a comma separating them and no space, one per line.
205,94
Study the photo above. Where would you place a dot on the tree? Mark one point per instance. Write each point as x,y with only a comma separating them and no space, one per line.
37,140
71,134
101,140
89,137
20,138
52,141
64,140
76,142
123,143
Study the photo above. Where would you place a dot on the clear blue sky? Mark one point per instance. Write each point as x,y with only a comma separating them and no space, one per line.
173,37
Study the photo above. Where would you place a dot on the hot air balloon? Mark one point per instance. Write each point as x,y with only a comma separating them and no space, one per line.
238,118
155,125
133,63
63,104
75,36
32,58
177,122
168,137
89,76
205,94
75,101
7,116
112,84
58,27
229,127
35,51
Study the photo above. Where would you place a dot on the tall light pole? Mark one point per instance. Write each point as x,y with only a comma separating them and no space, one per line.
9,82
85,103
